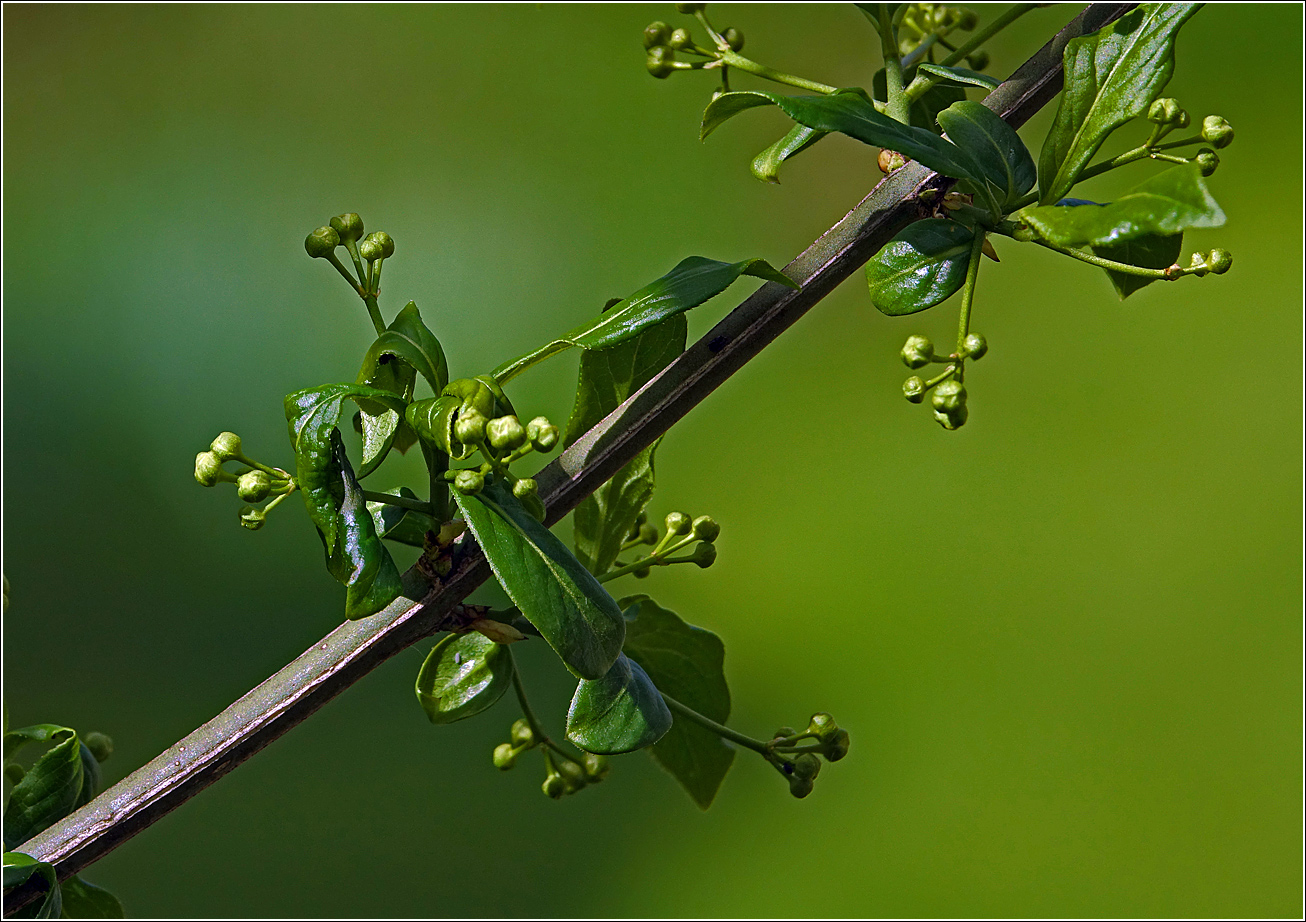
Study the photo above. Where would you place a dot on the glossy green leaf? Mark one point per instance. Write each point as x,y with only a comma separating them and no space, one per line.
958,76
408,340
463,675
853,114
620,712
432,419
766,165
84,900
1166,204
51,789
924,109
920,267
18,869
607,377
312,416
687,663
997,150
355,556
1151,252
1111,77
395,523
572,611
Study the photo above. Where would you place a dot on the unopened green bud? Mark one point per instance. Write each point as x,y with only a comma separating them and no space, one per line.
734,38
968,20
469,427
952,419
208,469
914,389
469,482
554,786
573,776
1219,261
505,756
252,518
656,33
978,60
542,433
917,352
705,555
14,772
1206,161
525,487
1198,265
641,573
253,486
784,732
100,744
648,533
322,242
975,345
837,747
349,226
705,528
949,395
678,523
807,766
660,61
1216,131
376,245
689,9
800,787
506,432
522,734
226,446
1164,111
823,726
596,767
679,39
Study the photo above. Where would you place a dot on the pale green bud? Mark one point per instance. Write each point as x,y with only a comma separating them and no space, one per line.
705,528
1216,131
100,744
208,469
914,389
975,346
917,352
226,446
253,486
349,226
322,242
506,432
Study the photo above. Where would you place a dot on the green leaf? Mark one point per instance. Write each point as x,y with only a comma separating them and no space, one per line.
572,611
395,523
463,675
997,150
607,377
958,76
850,112
90,777
920,267
84,900
766,165
1111,76
687,663
924,109
18,869
311,416
620,712
1151,252
51,789
1166,204
355,556
408,340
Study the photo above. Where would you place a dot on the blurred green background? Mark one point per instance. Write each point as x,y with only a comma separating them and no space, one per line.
1066,639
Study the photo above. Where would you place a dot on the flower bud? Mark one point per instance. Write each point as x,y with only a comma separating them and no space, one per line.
505,756
800,787
1184,119
975,346
734,38
917,352
1219,261
784,732
252,518
1216,131
1164,111
542,433
100,744
948,396
690,9
524,488
890,160
469,427
1197,265
505,432
573,776
322,242
705,555
469,482
226,446
807,766
837,747
522,734
349,226
253,486
1206,161
678,523
968,20
648,533
554,786
656,33
376,245
705,528
679,39
660,61
914,389
952,419
208,469
596,767
823,726
14,772
978,60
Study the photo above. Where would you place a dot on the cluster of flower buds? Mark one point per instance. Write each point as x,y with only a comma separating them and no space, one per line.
800,764
1167,115
949,394
563,774
1217,261
661,42
681,531
255,483
367,252
922,20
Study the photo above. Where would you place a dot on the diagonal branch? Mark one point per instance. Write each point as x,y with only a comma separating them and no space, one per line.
356,647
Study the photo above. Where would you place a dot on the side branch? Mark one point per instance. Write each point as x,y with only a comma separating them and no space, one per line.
356,647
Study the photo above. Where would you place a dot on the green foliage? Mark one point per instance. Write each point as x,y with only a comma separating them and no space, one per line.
84,900
999,155
766,165
463,675
19,868
922,266
620,712
52,788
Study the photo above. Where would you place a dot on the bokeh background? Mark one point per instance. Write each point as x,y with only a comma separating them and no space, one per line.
1066,639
